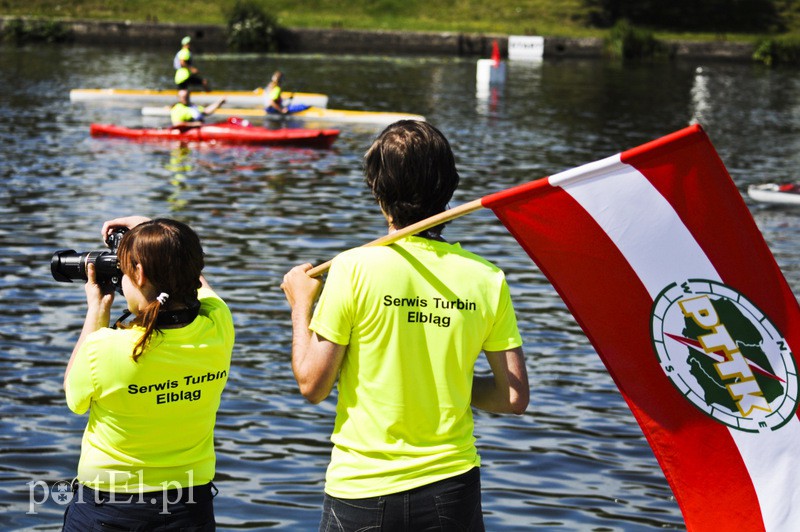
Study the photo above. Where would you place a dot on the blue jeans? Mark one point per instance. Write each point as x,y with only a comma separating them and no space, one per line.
186,510
450,505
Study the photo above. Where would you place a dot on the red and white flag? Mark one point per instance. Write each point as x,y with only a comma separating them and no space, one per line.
659,260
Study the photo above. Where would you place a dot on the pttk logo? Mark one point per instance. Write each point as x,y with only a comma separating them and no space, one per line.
724,355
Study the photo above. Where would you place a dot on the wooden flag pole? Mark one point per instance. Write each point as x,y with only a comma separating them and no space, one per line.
412,229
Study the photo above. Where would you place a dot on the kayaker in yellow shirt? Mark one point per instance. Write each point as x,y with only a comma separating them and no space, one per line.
185,72
273,100
185,114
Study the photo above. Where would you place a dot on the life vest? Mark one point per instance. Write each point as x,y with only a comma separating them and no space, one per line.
184,54
274,95
186,113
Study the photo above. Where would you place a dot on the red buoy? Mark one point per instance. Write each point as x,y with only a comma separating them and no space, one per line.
495,53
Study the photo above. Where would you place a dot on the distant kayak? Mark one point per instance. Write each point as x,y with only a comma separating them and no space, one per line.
786,193
307,114
224,133
248,99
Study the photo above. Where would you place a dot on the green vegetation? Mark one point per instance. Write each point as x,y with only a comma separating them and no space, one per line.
574,18
20,31
716,16
519,17
783,49
628,42
251,29
633,29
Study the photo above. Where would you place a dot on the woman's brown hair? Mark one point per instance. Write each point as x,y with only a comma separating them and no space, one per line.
171,258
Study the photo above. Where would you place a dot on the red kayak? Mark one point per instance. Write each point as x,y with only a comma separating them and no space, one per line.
224,133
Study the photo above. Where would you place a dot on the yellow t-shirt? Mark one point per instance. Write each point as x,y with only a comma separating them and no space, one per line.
415,316
151,422
181,113
274,94
182,73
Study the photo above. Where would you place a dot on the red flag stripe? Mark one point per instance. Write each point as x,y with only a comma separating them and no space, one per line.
672,254
610,241
588,270
706,201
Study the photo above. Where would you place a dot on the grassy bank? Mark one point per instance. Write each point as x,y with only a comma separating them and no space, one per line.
519,17
567,18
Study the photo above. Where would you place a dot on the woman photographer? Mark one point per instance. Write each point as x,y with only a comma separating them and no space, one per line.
152,387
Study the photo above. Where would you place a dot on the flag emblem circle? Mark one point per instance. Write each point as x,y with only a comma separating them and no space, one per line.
724,355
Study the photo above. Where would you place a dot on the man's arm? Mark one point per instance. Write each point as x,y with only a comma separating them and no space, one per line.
507,389
209,110
315,363
315,360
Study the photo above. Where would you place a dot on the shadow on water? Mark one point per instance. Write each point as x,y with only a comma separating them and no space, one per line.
575,461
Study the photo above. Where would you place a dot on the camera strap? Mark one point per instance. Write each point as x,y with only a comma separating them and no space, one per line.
168,317
122,318
178,317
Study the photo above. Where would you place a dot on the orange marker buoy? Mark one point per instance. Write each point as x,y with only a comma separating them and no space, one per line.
490,72
495,53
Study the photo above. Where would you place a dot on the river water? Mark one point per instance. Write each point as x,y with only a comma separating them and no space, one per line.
576,460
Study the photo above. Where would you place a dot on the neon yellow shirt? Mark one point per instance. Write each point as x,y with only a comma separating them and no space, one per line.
274,94
182,73
181,113
151,422
415,316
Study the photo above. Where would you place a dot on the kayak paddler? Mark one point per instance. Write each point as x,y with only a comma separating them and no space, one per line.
273,98
185,72
186,114
273,101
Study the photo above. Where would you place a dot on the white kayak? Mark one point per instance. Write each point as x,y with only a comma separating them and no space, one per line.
249,99
312,114
786,193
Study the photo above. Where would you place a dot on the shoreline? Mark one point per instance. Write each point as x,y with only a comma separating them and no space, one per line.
212,39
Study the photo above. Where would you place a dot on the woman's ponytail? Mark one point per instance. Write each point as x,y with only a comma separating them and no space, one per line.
171,258
147,319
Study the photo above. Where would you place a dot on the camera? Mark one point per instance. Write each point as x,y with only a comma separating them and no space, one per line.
68,265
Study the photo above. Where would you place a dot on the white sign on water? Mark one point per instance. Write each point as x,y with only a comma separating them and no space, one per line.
525,47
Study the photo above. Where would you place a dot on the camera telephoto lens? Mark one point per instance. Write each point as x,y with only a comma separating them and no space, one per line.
67,265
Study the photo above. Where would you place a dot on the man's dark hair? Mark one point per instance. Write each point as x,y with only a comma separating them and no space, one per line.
411,171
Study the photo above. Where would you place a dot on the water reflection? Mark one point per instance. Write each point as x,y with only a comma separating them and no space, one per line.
179,165
576,460
701,97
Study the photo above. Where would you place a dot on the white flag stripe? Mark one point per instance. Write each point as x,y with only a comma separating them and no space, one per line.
641,224
771,459
660,249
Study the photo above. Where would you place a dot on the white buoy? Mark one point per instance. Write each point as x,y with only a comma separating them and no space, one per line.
490,73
